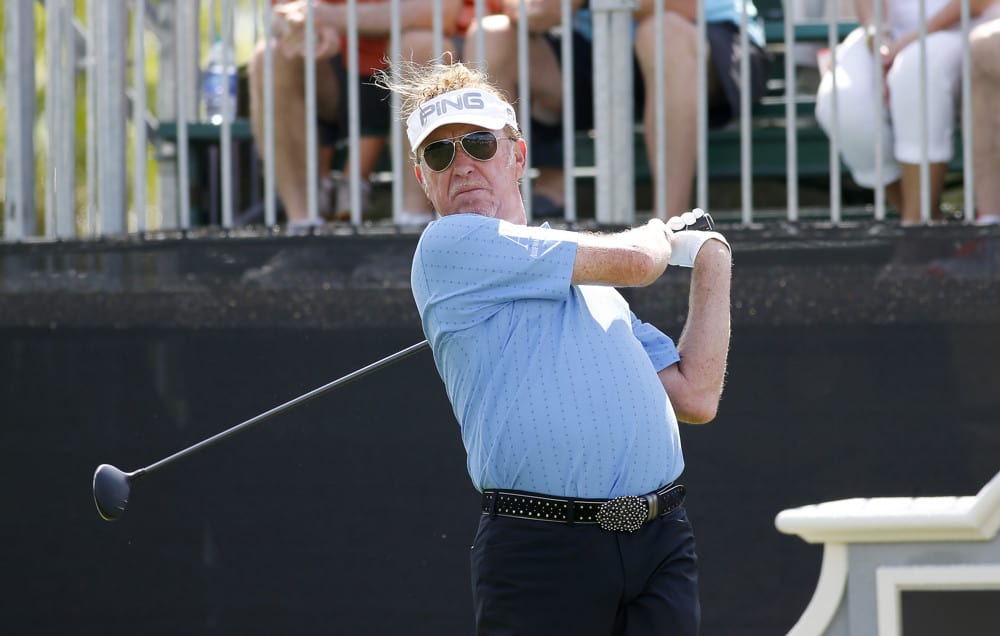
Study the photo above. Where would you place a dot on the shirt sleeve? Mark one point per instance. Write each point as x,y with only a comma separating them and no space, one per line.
659,347
467,266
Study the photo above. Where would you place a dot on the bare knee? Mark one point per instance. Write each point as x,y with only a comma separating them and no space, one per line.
984,50
679,39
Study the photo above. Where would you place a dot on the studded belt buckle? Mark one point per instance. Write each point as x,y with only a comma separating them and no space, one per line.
623,514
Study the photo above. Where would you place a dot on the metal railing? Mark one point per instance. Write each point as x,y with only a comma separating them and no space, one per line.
99,46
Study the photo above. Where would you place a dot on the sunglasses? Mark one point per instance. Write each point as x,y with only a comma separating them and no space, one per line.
481,145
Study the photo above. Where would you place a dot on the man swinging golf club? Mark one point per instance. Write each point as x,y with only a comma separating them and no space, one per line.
568,403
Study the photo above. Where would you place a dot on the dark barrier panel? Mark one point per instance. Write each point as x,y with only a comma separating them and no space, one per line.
856,370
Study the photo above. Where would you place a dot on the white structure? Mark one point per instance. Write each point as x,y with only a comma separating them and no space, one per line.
875,549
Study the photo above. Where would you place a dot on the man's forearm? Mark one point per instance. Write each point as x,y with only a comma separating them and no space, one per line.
634,258
704,343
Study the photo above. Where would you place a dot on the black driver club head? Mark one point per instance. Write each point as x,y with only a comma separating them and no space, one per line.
111,490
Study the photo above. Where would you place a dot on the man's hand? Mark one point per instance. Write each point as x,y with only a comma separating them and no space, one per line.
289,24
689,232
542,15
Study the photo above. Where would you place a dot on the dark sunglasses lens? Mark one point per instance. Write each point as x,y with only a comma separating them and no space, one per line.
438,155
480,145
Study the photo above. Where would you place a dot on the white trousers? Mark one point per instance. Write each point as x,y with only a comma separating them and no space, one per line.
858,110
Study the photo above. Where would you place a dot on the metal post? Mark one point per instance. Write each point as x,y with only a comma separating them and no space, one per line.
110,48
832,42
19,204
614,146
524,98
139,113
968,139
701,121
569,117
746,139
791,115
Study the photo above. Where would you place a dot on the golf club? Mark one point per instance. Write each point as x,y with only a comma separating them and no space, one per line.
112,486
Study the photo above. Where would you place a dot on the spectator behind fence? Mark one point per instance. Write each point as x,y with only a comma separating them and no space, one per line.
568,404
330,19
679,67
985,43
900,60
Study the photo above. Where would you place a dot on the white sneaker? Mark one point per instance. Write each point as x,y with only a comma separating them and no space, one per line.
341,200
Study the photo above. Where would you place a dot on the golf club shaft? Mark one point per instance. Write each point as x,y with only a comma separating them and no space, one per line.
350,377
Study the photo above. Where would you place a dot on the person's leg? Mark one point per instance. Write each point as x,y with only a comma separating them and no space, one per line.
375,117
418,45
909,191
533,578
500,59
680,41
985,51
944,68
661,581
289,122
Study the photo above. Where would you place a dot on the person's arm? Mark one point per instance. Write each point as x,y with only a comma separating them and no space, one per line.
946,17
633,258
374,19
542,15
695,383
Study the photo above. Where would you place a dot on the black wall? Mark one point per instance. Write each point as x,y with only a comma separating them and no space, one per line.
857,369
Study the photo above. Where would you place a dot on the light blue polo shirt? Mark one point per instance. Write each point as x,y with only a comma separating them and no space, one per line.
555,386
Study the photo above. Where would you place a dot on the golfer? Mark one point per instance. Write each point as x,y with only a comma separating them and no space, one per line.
568,403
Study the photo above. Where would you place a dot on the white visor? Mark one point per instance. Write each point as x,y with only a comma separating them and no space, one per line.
464,106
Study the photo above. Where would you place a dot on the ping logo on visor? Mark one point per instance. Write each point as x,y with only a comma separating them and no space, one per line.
471,106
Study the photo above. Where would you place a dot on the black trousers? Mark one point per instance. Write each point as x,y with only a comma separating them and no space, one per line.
547,579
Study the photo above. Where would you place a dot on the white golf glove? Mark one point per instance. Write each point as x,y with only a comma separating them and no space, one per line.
686,240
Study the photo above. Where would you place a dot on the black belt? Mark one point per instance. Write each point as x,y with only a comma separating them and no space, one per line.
622,514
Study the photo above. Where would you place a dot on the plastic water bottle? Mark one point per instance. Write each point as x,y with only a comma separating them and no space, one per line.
218,76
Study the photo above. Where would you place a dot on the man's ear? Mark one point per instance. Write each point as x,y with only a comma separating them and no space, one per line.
522,156
419,174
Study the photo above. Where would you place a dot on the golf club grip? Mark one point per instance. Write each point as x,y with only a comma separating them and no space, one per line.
696,219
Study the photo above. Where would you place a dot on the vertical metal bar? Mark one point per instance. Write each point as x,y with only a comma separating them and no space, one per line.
186,17
746,138
53,97
312,169
524,99
968,138
602,126
622,115
226,130
480,7
833,40
613,100
90,222
879,112
925,168
702,118
400,149
270,205
568,113
19,42
791,116
111,116
354,112
66,192
438,26
139,113
660,176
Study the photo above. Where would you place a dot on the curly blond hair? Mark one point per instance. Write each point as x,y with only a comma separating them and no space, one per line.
417,83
